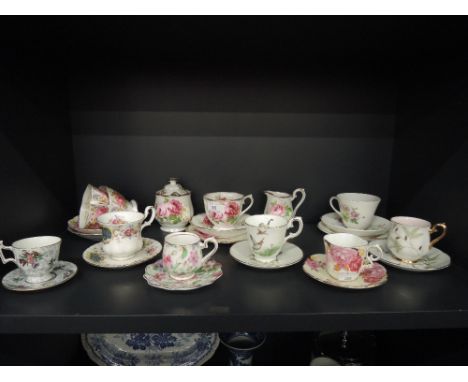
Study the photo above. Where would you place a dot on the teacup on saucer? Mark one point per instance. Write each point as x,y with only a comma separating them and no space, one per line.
378,226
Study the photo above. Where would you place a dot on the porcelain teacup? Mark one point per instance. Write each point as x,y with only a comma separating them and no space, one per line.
356,210
347,255
34,256
183,256
410,238
121,232
266,235
224,209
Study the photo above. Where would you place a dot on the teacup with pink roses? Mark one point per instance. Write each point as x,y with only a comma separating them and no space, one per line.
224,209
347,255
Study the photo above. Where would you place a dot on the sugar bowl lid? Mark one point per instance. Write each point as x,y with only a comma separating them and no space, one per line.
173,189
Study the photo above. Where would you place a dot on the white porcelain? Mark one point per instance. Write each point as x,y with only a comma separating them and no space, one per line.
347,255
224,209
378,226
150,349
281,203
96,256
174,207
62,272
202,226
121,232
157,277
183,256
323,228
35,257
372,277
221,240
90,234
410,238
356,210
290,254
266,235
434,260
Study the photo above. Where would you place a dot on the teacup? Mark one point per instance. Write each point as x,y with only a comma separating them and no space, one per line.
117,201
267,235
182,254
348,255
121,232
35,257
410,238
356,210
225,208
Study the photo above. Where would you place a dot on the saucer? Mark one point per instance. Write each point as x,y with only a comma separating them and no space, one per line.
372,277
16,281
158,278
290,254
378,226
433,261
222,239
90,234
322,227
200,221
95,255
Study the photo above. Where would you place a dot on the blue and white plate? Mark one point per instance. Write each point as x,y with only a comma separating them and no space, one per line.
150,349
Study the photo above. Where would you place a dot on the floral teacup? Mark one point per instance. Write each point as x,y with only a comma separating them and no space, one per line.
182,254
267,235
356,210
121,232
225,208
280,203
348,255
35,257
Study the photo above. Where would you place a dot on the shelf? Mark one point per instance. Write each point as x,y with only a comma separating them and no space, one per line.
98,300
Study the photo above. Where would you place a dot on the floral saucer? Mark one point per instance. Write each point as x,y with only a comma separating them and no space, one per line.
63,271
322,227
222,239
95,255
378,226
290,254
372,277
433,261
200,221
90,234
158,278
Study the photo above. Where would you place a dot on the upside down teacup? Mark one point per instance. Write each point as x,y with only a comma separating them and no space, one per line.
266,235
121,232
183,256
348,255
410,238
355,210
224,209
34,256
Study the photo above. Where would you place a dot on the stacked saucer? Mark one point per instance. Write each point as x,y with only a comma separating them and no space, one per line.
94,234
332,223
201,225
150,349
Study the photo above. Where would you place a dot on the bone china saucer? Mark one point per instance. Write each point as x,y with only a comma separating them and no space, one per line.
200,221
63,272
95,255
322,227
290,254
433,261
369,278
90,234
206,275
378,226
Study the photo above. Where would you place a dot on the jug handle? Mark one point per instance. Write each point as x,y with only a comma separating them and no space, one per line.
295,193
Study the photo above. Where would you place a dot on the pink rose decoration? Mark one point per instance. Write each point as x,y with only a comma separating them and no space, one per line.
217,216
277,209
207,221
345,258
163,210
128,232
373,274
232,209
193,257
167,260
175,207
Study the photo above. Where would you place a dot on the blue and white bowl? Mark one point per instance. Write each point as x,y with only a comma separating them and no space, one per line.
150,349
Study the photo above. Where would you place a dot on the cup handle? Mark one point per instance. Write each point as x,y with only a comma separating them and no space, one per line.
333,207
212,252
153,214
249,206
292,235
371,257
295,193
3,258
435,228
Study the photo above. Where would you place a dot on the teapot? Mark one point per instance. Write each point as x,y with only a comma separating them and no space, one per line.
280,203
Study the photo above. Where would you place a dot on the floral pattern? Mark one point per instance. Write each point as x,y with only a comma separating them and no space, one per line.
275,207
182,259
347,259
30,258
224,211
350,214
141,341
170,211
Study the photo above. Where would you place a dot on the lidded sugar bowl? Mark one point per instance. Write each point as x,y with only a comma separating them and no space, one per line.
174,208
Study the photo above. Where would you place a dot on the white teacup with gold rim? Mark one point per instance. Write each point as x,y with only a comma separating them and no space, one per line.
224,209
183,256
121,232
410,238
347,255
356,210
266,235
